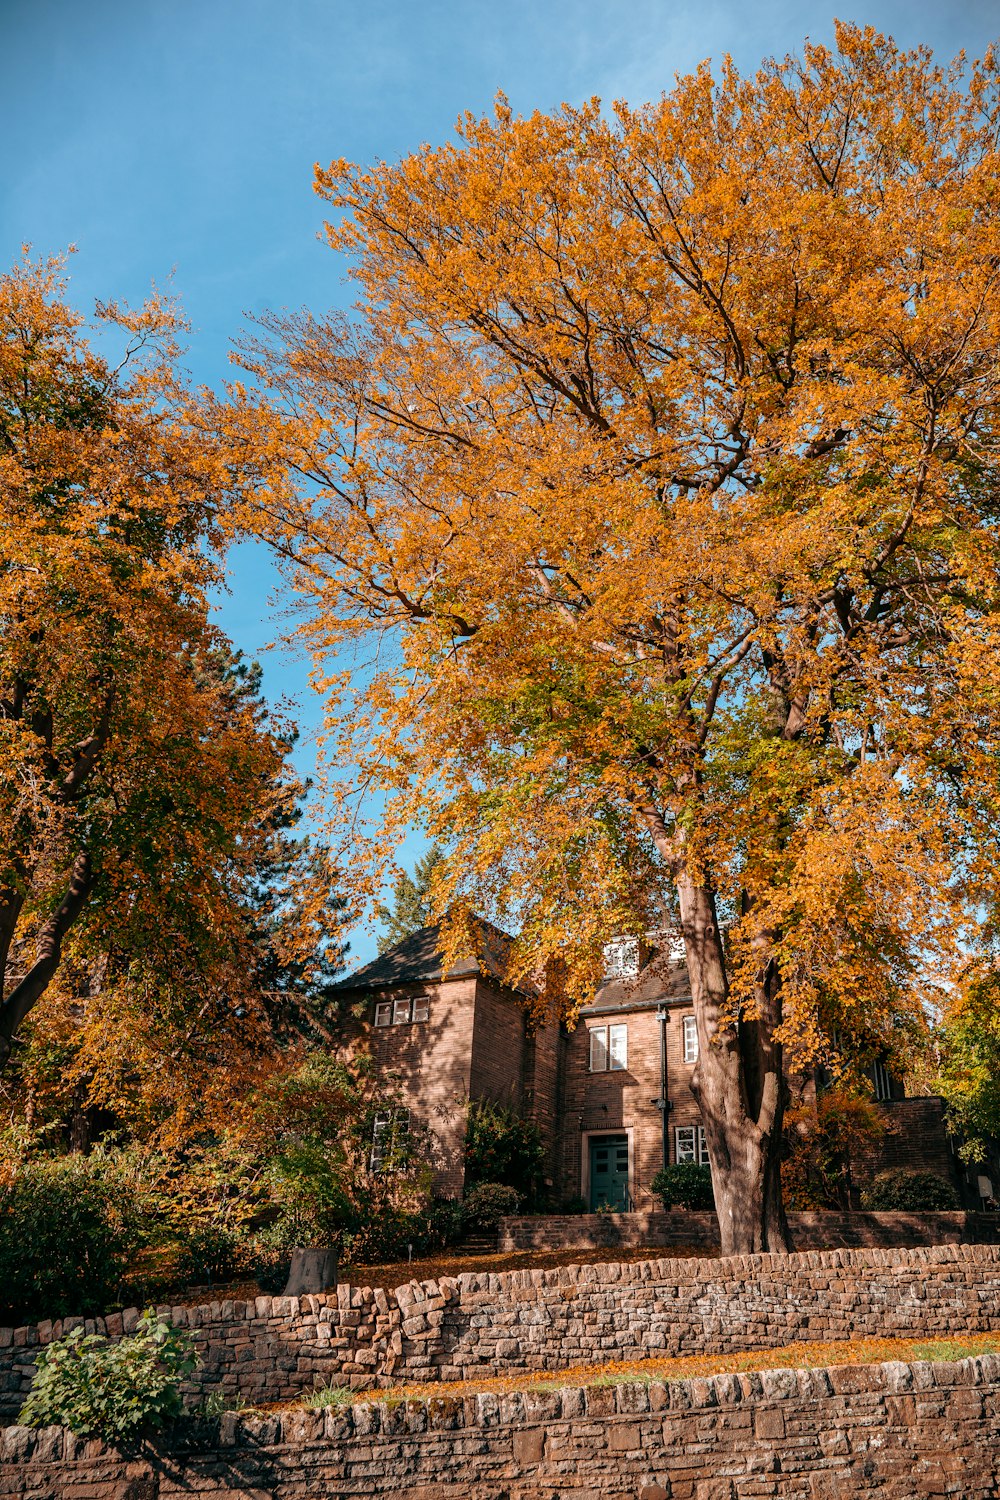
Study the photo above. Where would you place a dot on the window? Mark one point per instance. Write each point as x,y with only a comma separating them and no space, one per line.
689,1144
608,1048
621,958
883,1081
690,1028
401,1012
390,1134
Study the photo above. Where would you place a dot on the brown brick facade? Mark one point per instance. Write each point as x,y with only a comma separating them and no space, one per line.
477,1043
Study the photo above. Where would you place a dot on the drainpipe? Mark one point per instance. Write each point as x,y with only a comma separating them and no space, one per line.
663,1103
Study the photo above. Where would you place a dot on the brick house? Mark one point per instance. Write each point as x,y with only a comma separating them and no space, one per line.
611,1097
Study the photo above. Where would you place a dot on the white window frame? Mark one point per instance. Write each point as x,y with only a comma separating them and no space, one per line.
383,1013
401,1010
609,1048
689,1029
389,1128
621,958
381,1138
421,1008
695,1148
882,1081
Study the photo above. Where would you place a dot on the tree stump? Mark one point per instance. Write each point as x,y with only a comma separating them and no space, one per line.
312,1270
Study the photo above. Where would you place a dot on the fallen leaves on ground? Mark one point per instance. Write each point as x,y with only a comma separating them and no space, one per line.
797,1356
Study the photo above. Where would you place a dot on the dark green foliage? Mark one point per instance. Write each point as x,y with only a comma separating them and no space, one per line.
502,1147
574,1205
68,1227
389,1232
487,1204
411,906
909,1192
210,1253
112,1390
684,1185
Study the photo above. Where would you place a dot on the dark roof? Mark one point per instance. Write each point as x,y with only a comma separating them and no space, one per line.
419,959
662,978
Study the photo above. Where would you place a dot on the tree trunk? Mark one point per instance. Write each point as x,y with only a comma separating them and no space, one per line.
739,1087
29,991
312,1270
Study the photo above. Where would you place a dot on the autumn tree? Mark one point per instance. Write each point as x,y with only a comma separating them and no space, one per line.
143,788
661,466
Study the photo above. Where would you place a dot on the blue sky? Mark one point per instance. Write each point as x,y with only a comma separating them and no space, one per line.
178,137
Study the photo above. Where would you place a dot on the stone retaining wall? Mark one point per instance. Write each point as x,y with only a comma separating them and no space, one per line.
521,1321
700,1231
903,1432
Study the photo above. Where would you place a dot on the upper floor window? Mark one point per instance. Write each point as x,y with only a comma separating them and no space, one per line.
689,1144
882,1079
390,1136
608,1048
690,1032
401,1012
621,958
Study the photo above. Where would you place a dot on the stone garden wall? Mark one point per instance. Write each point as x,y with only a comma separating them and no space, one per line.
277,1348
902,1432
700,1231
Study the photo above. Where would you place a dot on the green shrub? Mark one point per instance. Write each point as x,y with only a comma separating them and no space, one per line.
574,1205
68,1227
684,1185
487,1204
500,1147
909,1192
210,1253
111,1390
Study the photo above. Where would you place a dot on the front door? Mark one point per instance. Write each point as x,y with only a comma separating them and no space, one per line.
609,1172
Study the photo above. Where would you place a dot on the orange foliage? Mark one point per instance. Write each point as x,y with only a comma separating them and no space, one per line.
657,481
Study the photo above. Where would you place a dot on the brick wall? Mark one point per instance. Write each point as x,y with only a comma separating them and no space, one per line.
429,1064
497,1045
698,1231
900,1431
524,1321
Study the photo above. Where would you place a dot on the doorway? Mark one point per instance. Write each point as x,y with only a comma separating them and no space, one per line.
609,1172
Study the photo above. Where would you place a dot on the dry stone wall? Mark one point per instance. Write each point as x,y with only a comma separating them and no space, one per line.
899,1431
277,1348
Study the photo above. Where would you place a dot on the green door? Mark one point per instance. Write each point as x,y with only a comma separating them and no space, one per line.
609,1172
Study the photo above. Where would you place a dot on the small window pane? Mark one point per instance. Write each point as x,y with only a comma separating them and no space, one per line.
690,1039
617,1047
702,1147
400,1012
621,958
421,1008
684,1137
383,1014
598,1049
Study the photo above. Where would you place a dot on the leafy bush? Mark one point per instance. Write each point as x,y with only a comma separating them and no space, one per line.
500,1147
210,1253
684,1185
909,1192
574,1205
68,1226
821,1140
111,1390
384,1238
487,1204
